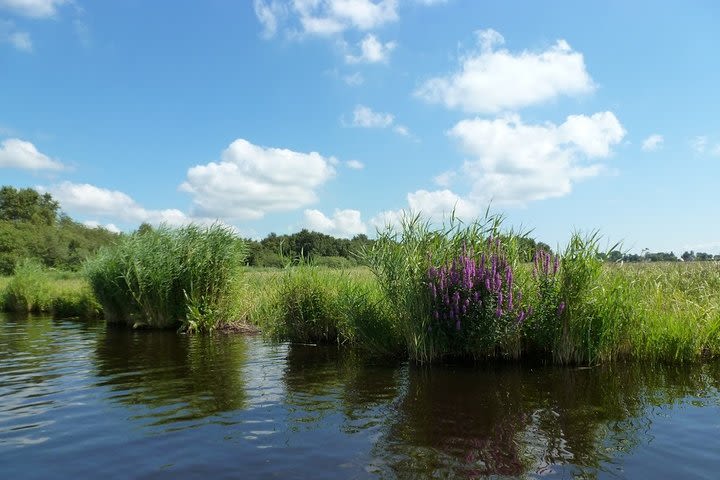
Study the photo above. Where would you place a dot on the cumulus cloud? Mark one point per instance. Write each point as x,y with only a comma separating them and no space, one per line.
514,163
355,164
491,80
437,205
322,17
325,17
33,8
16,153
250,181
343,223
652,143
365,117
87,199
372,50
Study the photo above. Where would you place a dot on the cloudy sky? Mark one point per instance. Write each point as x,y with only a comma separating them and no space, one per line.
337,115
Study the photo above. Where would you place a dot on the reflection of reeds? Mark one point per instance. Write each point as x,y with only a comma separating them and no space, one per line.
511,420
173,379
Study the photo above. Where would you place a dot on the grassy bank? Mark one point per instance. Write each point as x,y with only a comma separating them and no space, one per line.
35,289
457,292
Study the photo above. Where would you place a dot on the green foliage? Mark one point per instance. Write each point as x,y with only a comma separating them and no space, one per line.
310,304
30,227
275,250
27,205
167,277
29,290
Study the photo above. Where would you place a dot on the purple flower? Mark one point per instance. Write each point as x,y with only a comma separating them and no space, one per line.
457,325
561,308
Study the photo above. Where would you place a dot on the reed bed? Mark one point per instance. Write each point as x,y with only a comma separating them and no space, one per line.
168,277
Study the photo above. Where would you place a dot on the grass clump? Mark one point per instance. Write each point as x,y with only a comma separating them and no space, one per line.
29,290
169,277
311,304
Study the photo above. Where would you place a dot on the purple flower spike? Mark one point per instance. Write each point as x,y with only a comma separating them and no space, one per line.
561,308
457,325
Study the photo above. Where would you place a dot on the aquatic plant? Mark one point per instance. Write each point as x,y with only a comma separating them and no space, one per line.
168,277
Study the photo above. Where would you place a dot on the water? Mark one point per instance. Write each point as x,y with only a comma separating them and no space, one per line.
82,400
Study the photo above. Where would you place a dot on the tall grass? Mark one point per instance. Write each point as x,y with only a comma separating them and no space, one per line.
463,290
169,277
35,289
311,304
29,290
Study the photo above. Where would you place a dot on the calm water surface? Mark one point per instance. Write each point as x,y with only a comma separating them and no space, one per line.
81,400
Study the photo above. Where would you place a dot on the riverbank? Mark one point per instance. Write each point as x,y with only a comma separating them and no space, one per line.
667,312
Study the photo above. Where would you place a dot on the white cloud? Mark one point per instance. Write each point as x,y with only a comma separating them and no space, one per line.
16,153
436,206
19,40
324,17
401,130
441,203
250,181
269,14
445,179
372,51
514,163
354,80
492,80
87,199
355,164
33,8
653,142
365,117
344,223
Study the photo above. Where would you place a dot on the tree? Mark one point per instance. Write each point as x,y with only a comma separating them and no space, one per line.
27,205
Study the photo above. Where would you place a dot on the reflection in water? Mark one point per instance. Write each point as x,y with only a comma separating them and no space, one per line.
178,378
514,420
85,400
324,381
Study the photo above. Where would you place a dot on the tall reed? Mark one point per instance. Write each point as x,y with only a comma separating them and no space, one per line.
169,277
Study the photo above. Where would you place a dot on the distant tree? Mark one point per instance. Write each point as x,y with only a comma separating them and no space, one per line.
27,205
688,256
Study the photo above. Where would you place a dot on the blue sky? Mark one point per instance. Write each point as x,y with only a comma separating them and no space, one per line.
336,115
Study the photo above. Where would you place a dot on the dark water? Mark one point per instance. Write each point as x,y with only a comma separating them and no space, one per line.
82,400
